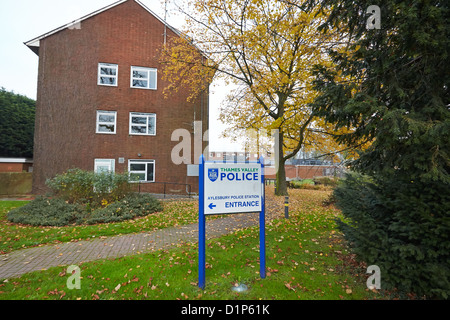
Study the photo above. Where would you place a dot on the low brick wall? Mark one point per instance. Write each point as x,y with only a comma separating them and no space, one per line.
14,183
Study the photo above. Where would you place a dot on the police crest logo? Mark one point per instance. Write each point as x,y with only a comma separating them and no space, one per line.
213,174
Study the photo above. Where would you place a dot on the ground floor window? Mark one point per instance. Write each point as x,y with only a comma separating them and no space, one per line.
104,165
142,170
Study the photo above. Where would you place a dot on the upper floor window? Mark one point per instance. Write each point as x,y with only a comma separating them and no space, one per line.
106,122
144,78
107,74
143,123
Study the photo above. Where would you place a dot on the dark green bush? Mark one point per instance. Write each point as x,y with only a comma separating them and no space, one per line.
47,212
57,212
79,186
401,226
133,205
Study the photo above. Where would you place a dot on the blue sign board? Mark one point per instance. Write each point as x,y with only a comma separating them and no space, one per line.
226,188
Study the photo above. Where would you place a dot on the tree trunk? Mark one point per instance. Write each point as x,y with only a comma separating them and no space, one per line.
281,186
280,183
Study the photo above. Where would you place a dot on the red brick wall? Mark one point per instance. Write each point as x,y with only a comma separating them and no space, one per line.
69,97
303,172
15,167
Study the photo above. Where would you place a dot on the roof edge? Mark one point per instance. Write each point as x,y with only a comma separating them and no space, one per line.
176,31
34,44
15,160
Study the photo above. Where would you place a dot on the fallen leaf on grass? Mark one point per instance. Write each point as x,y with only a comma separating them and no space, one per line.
288,285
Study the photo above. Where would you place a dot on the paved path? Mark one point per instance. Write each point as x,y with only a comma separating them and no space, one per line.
16,263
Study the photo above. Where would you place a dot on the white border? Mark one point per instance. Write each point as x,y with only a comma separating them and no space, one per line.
146,162
97,123
145,69
111,162
143,114
99,75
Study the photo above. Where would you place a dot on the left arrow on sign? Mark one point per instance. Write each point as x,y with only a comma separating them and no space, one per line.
212,206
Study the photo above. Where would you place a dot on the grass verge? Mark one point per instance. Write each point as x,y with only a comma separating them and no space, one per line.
304,262
17,236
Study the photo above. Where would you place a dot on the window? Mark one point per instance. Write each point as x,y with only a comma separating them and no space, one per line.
143,123
144,78
106,122
142,170
104,165
107,74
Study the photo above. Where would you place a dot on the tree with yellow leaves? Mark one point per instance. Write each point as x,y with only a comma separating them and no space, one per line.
266,49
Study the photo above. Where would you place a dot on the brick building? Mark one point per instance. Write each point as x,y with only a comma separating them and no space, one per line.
100,104
16,165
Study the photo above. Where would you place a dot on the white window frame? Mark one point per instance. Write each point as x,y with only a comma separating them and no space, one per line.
98,122
116,76
111,163
148,71
145,172
142,115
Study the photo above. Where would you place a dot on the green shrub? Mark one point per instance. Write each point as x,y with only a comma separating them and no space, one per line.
47,212
298,184
326,181
401,226
133,205
305,184
87,187
57,212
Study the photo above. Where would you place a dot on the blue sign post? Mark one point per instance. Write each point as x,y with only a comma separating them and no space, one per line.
226,188
201,225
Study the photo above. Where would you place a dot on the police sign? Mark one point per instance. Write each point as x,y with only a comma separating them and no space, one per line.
232,187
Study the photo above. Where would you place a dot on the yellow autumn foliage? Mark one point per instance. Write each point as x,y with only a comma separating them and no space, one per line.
266,49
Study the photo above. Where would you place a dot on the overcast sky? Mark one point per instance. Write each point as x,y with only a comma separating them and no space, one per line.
24,20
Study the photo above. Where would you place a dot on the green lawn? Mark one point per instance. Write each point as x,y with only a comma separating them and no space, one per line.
13,237
305,260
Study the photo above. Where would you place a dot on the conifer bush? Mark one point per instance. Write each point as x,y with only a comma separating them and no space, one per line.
389,86
133,205
83,197
401,226
47,212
